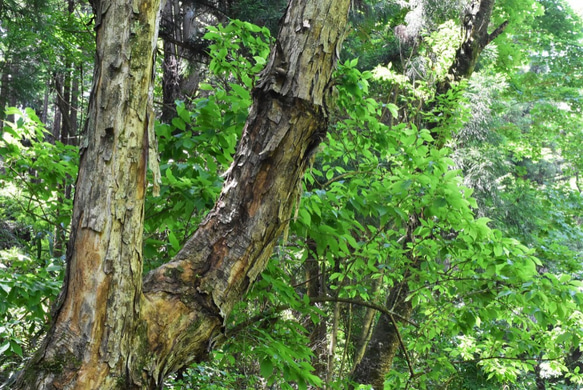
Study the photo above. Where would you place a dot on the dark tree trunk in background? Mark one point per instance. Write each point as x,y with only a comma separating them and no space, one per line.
74,107
4,92
170,66
385,341
57,118
318,332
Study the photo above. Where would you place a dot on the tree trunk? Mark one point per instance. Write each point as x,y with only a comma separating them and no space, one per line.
475,38
365,334
171,69
7,97
4,91
318,332
44,116
74,105
385,340
112,331
333,341
384,343
63,100
96,340
56,130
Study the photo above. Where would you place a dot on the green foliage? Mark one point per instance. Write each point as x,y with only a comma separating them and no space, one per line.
238,51
36,170
484,233
26,294
260,12
466,279
279,343
33,177
196,148
41,39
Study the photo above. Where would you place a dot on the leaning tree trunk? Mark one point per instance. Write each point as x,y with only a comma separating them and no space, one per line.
110,329
385,341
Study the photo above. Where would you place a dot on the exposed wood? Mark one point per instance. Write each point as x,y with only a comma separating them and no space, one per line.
286,123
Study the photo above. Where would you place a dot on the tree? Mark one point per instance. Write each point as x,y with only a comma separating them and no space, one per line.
386,340
111,329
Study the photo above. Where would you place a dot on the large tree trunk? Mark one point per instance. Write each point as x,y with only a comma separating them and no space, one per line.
385,341
96,339
112,331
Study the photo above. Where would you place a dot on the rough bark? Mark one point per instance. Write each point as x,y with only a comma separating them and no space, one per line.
96,339
385,340
231,247
111,330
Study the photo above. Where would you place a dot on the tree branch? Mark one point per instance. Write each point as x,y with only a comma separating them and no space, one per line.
277,309
496,32
380,308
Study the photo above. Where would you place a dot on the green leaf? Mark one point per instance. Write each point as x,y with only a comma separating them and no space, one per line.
16,348
241,92
4,347
173,241
5,287
266,368
179,123
305,217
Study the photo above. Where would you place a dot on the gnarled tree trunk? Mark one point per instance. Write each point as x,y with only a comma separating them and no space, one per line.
111,329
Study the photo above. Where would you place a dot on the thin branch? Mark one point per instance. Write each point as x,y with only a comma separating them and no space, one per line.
411,371
496,32
379,308
520,359
277,309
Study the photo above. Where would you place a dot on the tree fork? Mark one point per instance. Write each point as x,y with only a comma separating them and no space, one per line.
111,329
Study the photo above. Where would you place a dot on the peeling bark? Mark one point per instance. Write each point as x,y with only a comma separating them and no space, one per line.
232,246
113,330
94,339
